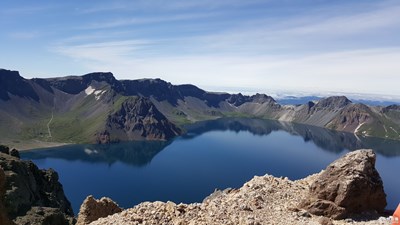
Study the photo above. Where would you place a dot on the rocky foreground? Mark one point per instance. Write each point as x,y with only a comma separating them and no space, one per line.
349,191
29,195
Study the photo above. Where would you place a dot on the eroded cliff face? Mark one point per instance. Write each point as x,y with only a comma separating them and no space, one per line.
31,195
137,119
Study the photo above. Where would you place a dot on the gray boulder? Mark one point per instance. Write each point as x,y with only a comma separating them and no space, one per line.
349,185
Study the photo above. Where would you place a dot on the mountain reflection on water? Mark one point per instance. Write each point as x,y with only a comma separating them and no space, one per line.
140,153
329,140
137,153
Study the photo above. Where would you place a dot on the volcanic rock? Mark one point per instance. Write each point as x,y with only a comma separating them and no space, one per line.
33,196
349,185
93,209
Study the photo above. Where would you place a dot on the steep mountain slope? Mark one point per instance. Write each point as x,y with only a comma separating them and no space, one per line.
70,110
137,119
99,108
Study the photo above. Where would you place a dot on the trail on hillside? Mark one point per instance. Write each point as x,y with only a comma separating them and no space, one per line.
48,124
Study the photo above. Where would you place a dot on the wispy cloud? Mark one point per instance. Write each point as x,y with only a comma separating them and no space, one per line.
173,5
145,20
339,25
103,52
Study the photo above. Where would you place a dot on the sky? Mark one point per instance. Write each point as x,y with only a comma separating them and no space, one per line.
302,46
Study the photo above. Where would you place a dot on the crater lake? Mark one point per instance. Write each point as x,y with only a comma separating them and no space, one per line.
218,154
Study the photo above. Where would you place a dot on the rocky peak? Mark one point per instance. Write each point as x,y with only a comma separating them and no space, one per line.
93,209
138,119
107,77
76,84
156,88
100,76
333,102
391,107
190,90
262,98
9,74
12,83
349,185
236,99
239,99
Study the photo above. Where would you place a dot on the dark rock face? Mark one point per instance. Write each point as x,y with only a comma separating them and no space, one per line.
6,150
76,84
33,194
349,185
14,152
11,82
392,107
44,216
139,119
93,209
3,215
239,99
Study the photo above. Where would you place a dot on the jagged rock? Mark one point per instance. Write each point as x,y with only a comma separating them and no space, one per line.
14,152
6,150
263,200
93,209
349,185
4,220
44,216
333,102
33,194
139,119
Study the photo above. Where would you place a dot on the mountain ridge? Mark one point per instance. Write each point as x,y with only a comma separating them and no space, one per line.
76,109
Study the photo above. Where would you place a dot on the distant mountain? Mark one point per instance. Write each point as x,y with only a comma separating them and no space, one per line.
294,100
99,108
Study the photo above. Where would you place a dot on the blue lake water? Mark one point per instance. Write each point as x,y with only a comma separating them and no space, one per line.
213,154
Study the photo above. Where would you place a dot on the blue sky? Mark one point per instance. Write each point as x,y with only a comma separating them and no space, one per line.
253,45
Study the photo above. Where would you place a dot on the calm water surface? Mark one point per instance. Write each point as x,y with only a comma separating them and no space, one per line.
214,154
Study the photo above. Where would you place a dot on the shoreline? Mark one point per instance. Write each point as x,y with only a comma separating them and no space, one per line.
27,145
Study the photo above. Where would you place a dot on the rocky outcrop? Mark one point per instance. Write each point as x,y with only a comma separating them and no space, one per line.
139,119
6,150
11,83
3,215
33,196
349,185
270,200
93,209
